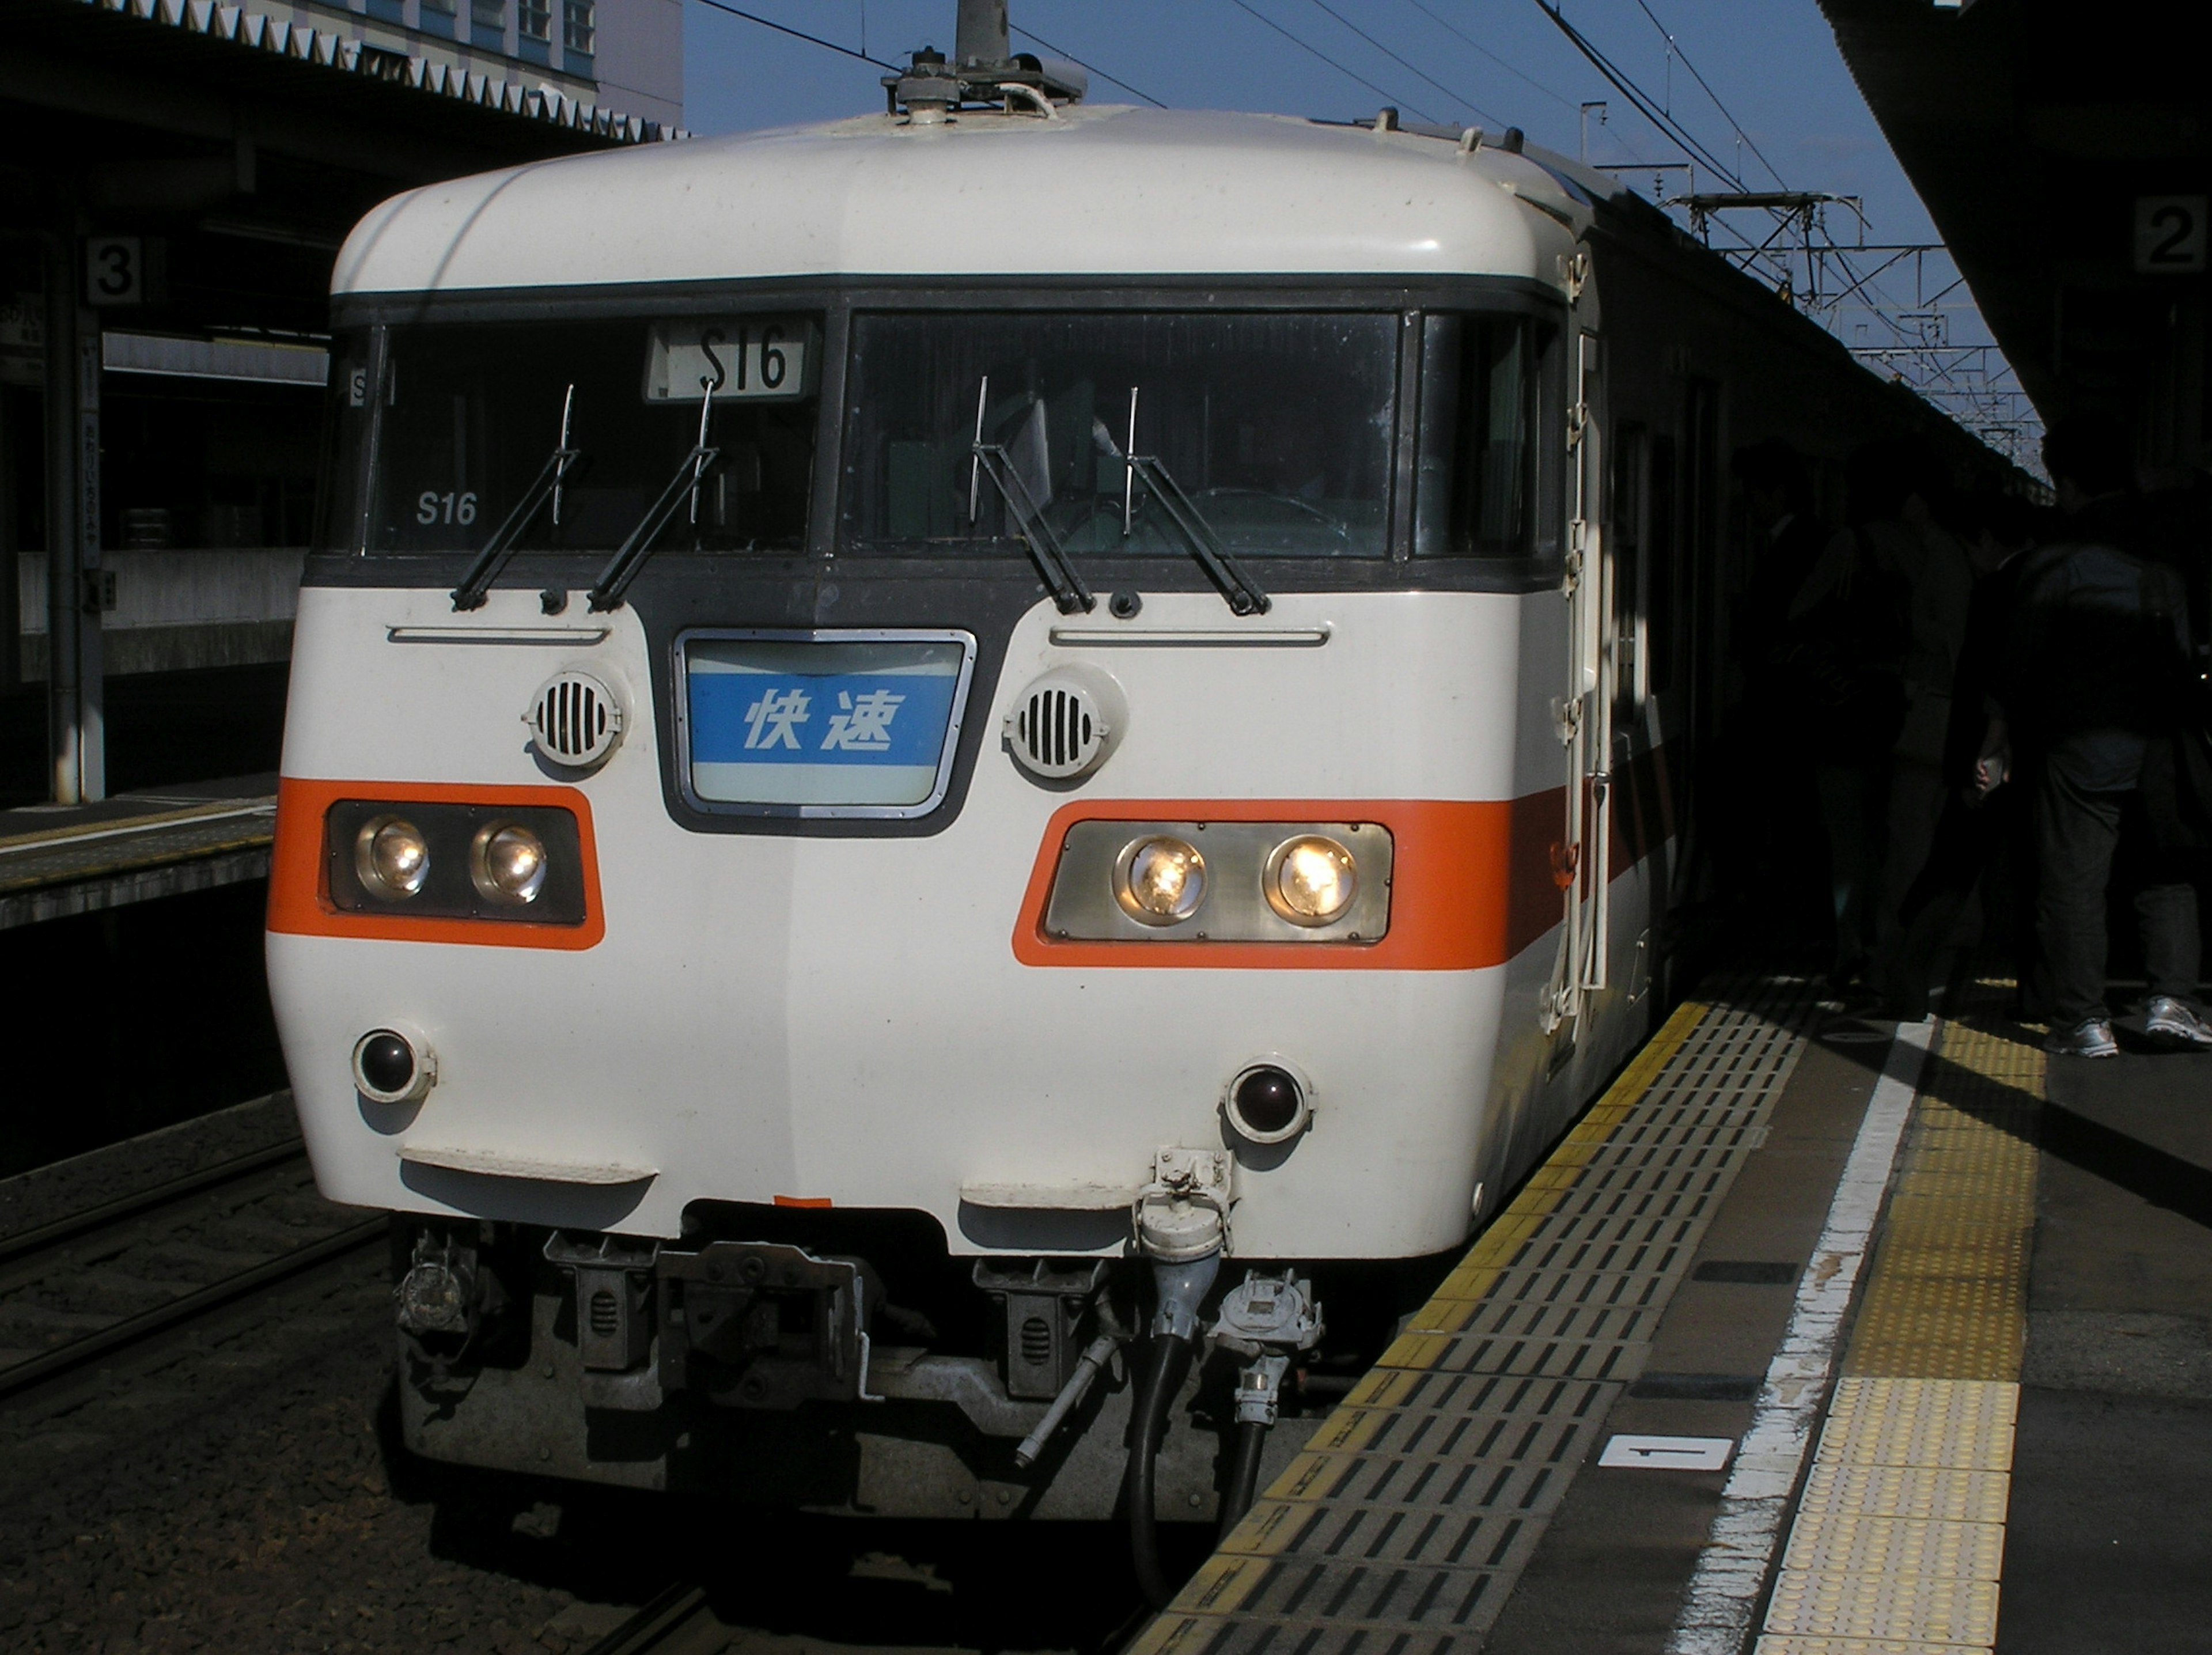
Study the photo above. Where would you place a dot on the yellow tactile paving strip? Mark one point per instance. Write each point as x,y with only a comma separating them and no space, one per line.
1898,1544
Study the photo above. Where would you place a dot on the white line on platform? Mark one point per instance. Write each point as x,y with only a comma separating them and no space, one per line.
1732,1570
62,837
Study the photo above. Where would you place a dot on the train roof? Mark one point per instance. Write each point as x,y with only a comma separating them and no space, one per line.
1106,190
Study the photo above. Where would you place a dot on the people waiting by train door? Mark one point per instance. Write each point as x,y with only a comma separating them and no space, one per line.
1913,539
1774,777
1981,829
1849,631
2097,662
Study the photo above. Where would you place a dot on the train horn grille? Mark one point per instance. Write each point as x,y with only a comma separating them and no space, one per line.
574,721
1060,728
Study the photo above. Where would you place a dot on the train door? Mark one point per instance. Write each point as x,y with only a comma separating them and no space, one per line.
1586,710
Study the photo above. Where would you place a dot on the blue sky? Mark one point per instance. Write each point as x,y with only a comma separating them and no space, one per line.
1773,63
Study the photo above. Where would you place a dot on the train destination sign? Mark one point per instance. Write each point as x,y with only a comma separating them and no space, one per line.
740,358
859,724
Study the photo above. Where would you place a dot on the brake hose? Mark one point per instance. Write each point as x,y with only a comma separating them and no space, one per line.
1244,1475
1165,1373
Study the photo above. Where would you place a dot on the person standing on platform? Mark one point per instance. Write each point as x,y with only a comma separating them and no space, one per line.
1849,631
1775,778
2100,680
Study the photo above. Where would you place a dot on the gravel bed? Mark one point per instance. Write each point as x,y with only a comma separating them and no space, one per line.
44,1193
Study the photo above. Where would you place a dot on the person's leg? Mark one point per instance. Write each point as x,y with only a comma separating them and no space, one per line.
1915,808
2074,833
1838,787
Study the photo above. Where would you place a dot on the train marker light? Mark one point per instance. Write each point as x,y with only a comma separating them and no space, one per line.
391,857
1311,880
388,1067
1159,880
507,863
1267,1104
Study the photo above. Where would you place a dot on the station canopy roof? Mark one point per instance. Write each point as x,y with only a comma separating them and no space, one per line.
2034,131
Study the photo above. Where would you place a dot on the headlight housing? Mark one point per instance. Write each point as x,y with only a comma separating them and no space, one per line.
415,859
391,857
1220,881
508,863
1310,879
1159,880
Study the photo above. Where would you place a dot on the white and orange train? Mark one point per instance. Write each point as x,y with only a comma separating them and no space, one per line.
959,784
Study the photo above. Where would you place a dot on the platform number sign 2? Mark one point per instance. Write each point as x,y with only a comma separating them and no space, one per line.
2169,235
114,270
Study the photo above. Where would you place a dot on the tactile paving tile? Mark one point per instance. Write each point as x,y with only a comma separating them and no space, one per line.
1962,1424
1899,1537
1405,1522
1924,1608
1851,1542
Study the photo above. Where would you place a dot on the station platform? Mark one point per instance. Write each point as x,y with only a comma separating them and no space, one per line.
57,860
1804,1346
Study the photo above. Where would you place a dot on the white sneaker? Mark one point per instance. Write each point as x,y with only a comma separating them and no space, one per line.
2091,1037
2177,1023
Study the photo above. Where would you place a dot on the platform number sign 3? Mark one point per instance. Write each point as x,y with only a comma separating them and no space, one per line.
114,270
2169,235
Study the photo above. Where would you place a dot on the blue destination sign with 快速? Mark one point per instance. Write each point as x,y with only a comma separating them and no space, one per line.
831,724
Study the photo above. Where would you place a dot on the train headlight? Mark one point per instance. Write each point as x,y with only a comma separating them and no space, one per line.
508,863
1159,880
1310,879
391,857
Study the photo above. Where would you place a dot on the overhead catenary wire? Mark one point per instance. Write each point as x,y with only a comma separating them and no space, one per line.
1675,47
1459,97
798,34
1638,99
1308,45
1062,51
1450,27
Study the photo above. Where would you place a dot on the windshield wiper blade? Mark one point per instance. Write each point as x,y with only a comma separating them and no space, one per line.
470,594
1238,590
629,557
1067,587
622,569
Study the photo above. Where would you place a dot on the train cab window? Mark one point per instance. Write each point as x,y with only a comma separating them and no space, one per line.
1277,427
468,417
1491,441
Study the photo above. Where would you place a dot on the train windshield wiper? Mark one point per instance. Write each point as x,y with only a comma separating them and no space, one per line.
1238,590
690,471
470,594
990,460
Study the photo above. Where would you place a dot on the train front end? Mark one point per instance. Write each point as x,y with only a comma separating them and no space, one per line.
918,767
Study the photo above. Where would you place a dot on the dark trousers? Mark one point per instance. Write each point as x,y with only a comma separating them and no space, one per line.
2075,834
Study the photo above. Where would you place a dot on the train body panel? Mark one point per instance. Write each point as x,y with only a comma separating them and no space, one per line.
758,1006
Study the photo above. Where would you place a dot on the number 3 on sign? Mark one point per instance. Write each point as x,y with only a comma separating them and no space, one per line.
2169,235
431,507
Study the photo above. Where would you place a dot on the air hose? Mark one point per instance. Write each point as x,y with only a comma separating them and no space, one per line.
1244,1473
1166,1370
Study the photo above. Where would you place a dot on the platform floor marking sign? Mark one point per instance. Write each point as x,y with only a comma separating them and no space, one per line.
1625,1452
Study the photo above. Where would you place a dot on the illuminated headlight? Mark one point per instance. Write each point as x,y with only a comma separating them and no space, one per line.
1159,880
507,862
1311,880
391,857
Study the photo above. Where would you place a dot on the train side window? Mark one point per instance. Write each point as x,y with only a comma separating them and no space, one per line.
1630,502
1661,576
1489,472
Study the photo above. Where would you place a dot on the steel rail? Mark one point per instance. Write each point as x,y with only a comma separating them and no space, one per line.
124,1206
21,1376
676,1611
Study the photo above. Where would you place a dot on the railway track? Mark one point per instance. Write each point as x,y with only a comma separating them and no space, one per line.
680,1621
108,1276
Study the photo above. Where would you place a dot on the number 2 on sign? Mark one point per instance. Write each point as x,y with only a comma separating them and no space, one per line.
431,507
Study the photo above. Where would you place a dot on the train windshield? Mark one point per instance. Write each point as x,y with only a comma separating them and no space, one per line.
470,417
1278,427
